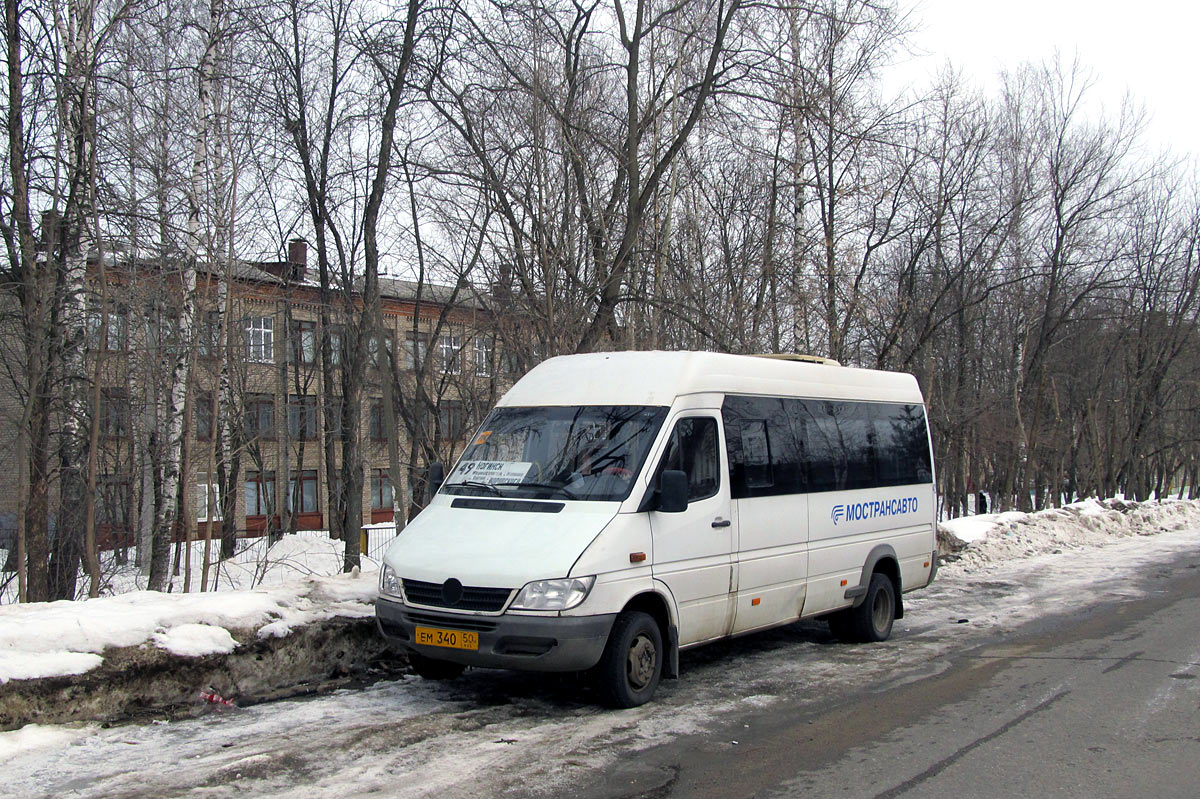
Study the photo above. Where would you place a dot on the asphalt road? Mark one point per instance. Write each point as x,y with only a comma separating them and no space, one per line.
1100,703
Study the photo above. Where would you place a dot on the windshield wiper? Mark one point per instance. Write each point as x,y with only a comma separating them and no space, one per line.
475,484
550,486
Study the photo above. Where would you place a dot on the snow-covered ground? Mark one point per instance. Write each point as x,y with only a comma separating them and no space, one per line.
410,737
256,562
297,581
996,537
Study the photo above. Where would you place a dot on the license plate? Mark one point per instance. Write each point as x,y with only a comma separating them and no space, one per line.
452,639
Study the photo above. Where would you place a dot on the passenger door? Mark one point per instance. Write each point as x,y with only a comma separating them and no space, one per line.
693,550
768,484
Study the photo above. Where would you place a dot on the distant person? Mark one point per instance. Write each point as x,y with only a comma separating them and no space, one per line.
981,503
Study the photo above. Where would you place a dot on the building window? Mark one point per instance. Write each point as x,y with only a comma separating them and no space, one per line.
260,416
116,337
208,499
302,417
415,348
114,412
209,340
260,339
92,331
260,493
336,343
449,348
303,342
118,332
377,359
450,420
304,501
204,415
381,490
484,349
376,426
170,333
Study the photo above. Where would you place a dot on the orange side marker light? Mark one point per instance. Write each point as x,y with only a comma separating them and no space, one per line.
637,557
756,600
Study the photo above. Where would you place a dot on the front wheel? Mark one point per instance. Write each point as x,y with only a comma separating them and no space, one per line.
629,670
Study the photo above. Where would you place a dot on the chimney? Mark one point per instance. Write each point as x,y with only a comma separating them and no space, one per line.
297,258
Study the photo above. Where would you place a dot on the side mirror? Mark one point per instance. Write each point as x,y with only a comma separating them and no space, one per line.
437,476
673,491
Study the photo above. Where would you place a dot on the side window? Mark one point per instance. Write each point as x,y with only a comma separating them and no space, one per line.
756,453
765,458
854,445
693,449
902,445
841,444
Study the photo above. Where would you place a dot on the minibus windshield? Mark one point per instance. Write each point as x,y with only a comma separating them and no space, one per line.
590,452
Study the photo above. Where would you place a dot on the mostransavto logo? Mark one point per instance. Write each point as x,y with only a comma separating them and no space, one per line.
858,511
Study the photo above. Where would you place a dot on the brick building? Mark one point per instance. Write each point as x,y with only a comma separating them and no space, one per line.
274,365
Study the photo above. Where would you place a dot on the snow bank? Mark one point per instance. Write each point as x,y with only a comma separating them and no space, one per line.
37,737
52,639
990,538
26,665
195,640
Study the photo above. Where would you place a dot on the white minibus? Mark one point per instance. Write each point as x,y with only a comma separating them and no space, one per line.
616,508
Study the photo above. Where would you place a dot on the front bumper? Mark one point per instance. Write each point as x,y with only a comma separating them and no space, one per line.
526,643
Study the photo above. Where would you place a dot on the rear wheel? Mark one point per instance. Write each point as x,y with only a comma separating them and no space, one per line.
629,671
432,669
872,620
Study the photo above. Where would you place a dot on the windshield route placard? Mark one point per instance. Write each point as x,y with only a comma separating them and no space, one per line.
490,472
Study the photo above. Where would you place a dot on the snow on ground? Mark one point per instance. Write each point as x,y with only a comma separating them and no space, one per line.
969,529
48,639
296,581
35,737
256,562
195,640
990,538
411,737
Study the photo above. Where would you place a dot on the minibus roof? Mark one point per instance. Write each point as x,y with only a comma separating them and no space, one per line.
657,378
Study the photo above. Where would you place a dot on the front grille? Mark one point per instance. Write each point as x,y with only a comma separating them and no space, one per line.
479,624
490,600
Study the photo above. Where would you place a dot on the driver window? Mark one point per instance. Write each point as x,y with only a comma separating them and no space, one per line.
693,450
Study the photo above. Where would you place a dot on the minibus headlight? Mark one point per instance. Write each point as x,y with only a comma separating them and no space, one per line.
554,594
389,583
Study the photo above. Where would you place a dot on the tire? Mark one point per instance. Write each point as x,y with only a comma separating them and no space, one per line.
431,669
871,621
631,666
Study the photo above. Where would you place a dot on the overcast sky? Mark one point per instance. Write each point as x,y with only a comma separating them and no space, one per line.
1148,47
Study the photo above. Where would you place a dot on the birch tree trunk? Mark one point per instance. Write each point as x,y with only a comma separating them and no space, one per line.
180,380
77,32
